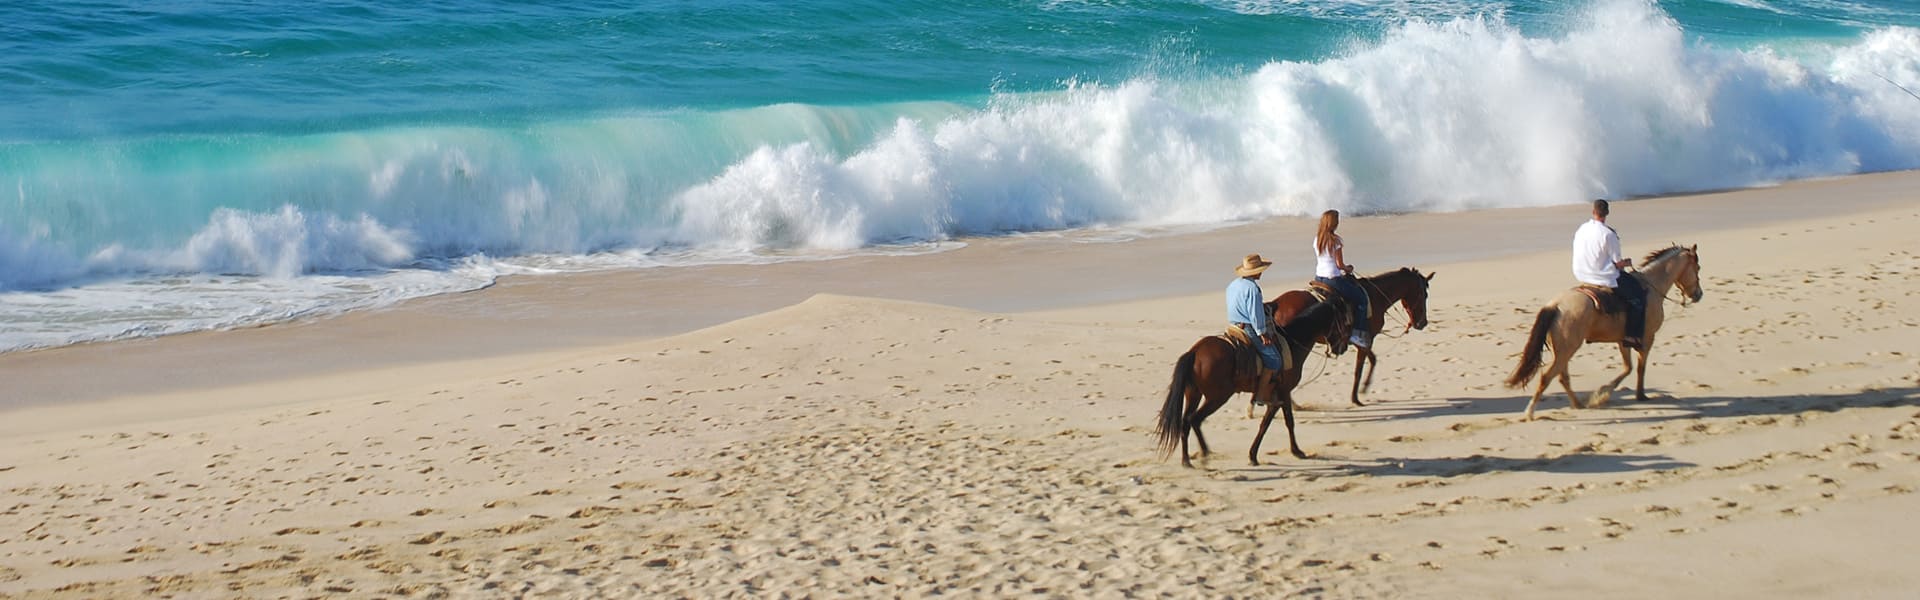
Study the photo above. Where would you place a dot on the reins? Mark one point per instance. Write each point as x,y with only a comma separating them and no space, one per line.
1326,355
1407,322
1682,300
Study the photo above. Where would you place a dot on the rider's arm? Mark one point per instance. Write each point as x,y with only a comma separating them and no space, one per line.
1258,308
1340,254
1613,251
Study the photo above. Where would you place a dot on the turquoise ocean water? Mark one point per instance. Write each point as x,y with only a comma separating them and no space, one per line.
177,166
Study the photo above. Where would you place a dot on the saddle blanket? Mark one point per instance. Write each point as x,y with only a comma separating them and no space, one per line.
1246,357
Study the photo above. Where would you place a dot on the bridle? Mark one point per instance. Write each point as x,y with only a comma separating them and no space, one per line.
1406,321
1687,296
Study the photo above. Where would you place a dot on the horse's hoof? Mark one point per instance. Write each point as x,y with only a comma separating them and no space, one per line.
1299,454
1358,403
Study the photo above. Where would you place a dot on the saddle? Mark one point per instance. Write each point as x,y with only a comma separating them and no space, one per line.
1606,299
1246,358
1324,293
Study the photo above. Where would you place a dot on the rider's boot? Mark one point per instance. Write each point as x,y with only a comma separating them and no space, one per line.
1265,387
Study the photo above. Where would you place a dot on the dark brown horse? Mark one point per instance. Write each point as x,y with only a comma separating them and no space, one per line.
1407,287
1204,379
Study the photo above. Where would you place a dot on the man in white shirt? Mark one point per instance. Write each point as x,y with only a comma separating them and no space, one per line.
1597,261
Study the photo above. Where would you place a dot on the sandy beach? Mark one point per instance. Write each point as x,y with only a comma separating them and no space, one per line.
978,422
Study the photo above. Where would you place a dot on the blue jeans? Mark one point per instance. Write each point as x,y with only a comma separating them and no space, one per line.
1269,355
1356,299
1634,296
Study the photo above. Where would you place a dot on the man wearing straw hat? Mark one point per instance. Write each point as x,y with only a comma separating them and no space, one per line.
1247,311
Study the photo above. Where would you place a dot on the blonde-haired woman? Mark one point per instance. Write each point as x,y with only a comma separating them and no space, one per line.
1331,268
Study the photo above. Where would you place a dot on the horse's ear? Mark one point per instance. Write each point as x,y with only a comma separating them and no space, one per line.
1430,275
1695,249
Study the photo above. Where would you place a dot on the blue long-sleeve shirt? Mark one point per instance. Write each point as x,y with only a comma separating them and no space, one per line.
1245,305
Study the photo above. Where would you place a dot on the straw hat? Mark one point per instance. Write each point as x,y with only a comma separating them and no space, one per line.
1251,266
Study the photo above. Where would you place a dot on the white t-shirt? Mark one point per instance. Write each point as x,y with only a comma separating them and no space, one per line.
1595,250
1325,266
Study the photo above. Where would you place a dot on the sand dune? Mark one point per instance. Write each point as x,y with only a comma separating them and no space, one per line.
849,446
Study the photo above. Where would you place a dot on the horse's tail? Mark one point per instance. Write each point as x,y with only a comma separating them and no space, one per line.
1173,422
1536,340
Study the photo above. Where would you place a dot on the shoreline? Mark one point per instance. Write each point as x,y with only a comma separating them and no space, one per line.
543,314
582,310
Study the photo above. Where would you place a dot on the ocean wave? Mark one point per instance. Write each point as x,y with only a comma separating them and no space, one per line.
1431,116
1434,116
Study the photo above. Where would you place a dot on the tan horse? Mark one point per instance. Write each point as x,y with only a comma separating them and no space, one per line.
1572,319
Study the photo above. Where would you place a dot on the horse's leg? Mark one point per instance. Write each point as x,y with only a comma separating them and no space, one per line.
1195,413
1373,360
1253,454
1566,384
1556,370
1640,386
1190,426
1202,438
1537,390
1546,378
1359,364
1563,366
1285,402
1286,405
1216,398
1207,410
1601,396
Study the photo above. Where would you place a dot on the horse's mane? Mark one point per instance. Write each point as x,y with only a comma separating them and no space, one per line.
1659,254
1312,310
1399,271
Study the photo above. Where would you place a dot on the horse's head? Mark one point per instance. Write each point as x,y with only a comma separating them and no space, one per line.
1679,263
1415,301
1407,287
1689,277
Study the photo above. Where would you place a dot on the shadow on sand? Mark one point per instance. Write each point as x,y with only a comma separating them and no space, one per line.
1659,407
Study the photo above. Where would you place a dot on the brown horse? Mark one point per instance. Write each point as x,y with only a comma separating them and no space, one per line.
1204,379
1407,287
1572,319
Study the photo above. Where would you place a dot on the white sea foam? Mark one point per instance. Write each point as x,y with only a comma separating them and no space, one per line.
159,305
1438,116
